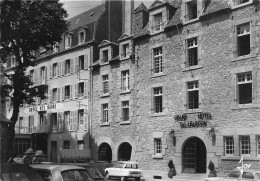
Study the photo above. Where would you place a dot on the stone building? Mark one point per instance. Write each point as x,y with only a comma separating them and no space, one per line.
60,125
197,84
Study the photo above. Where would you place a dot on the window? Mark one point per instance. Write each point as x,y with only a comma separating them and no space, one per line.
192,51
125,81
67,119
243,39
193,95
157,146
54,70
67,92
125,110
55,47
191,8
105,84
81,116
32,75
67,42
81,89
158,60
67,66
125,50
244,88
158,99
81,37
258,145
229,145
80,145
104,113
54,94
245,145
158,22
238,2
54,119
81,62
43,73
44,95
66,144
105,56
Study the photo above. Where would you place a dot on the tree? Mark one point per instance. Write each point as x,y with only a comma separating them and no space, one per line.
26,26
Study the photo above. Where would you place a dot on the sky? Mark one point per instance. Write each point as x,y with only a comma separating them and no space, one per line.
79,6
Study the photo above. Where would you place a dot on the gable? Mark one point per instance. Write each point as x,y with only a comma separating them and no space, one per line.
104,43
156,3
124,36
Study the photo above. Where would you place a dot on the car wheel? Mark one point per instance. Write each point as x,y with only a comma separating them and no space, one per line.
123,178
107,175
138,179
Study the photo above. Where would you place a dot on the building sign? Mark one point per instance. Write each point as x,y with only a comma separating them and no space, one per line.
202,122
43,108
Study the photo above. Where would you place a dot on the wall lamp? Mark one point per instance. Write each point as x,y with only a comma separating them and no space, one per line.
172,135
212,133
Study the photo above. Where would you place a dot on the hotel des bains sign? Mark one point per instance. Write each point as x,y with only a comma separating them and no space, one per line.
201,121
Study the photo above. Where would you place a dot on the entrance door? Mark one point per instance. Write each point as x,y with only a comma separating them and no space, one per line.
124,152
194,156
54,151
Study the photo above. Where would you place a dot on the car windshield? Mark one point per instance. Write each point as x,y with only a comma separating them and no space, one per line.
119,165
45,174
234,174
129,165
75,175
94,173
20,176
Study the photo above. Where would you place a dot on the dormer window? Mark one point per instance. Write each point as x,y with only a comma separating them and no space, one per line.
158,22
55,47
81,37
125,50
67,41
191,10
105,56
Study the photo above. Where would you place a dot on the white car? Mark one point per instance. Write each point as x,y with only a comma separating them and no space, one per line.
124,170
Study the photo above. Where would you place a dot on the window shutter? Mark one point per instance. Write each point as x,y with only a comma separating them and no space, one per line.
86,61
49,96
58,94
63,67
71,90
58,69
61,121
71,120
34,76
38,79
76,91
85,88
76,65
8,103
58,122
75,121
85,120
71,65
50,72
62,93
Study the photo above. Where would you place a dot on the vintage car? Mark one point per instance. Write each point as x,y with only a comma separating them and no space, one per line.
14,172
55,172
124,170
235,175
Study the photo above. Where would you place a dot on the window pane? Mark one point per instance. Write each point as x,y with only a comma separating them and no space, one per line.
229,145
245,145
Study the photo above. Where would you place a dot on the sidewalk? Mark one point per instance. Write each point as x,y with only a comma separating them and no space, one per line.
163,176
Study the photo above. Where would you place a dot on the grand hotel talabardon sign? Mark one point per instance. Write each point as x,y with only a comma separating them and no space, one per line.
43,108
201,122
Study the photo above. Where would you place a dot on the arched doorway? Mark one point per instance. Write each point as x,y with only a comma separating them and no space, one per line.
124,152
194,155
104,152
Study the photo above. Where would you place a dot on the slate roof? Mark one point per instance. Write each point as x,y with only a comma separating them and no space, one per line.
141,7
87,17
215,6
176,19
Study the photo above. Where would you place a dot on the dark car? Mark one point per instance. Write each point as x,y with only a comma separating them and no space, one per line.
18,172
92,171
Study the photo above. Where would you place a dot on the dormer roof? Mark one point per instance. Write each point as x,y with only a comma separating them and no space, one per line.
215,6
157,3
141,7
125,36
105,43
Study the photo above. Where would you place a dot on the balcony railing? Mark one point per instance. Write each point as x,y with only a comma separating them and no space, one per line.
41,129
23,130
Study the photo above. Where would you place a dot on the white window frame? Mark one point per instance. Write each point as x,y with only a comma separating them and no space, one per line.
55,70
158,60
125,81
247,79
105,56
80,115
158,21
187,13
193,86
243,142
81,62
105,84
104,108
67,66
67,119
157,146
192,43
244,33
81,41
229,145
68,40
157,92
125,50
81,87
125,108
67,91
54,91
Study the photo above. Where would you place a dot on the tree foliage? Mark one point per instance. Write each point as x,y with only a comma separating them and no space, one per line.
27,26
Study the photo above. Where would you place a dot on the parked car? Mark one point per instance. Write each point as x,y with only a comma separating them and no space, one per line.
56,172
235,175
124,170
18,172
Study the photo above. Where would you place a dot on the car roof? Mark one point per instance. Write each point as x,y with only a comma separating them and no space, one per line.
7,167
56,167
126,162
